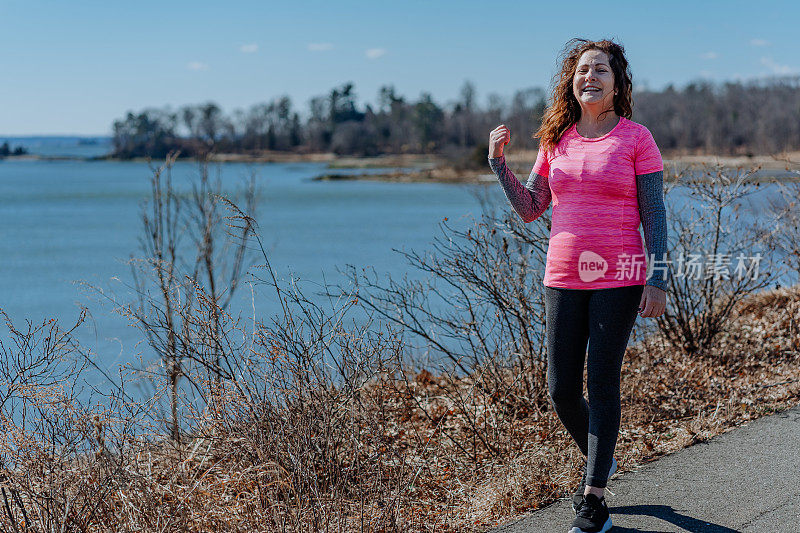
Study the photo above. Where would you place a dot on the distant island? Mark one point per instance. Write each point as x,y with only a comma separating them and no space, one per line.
735,123
6,150
742,118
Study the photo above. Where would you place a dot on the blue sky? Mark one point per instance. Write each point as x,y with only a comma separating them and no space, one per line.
73,67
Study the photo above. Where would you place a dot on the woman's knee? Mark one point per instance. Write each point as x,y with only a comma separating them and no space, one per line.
564,395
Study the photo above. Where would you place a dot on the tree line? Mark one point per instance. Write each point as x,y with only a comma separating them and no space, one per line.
741,117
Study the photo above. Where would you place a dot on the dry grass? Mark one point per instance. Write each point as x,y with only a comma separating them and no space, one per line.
406,457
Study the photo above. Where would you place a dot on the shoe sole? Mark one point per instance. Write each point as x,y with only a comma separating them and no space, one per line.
611,472
605,528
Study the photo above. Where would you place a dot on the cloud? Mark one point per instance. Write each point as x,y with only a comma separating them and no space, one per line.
196,65
250,48
758,42
709,55
777,68
375,53
319,47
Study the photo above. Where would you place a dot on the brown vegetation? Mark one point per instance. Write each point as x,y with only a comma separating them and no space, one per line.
390,454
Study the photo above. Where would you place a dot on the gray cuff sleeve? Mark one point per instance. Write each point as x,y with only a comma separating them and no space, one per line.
650,193
530,200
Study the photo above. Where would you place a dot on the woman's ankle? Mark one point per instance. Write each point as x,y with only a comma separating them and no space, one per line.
597,491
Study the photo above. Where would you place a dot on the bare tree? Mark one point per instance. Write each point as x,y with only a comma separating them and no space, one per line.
718,254
185,243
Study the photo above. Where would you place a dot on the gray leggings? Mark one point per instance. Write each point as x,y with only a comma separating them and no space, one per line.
604,318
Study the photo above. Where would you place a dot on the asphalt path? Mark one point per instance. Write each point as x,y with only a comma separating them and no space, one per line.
744,480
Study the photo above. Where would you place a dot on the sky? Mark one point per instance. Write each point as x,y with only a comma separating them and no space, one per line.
75,67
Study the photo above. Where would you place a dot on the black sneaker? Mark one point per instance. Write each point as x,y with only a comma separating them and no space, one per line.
593,516
577,498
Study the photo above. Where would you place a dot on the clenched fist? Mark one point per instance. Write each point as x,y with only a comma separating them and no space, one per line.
499,137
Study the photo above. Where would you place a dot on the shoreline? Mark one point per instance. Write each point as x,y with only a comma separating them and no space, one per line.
432,168
768,167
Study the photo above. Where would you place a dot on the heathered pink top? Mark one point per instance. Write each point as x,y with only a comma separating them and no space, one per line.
594,239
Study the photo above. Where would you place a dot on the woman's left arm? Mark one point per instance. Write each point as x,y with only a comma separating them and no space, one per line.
653,214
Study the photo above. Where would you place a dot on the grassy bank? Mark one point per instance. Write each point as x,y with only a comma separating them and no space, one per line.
399,455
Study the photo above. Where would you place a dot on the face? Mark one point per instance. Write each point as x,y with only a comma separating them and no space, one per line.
593,83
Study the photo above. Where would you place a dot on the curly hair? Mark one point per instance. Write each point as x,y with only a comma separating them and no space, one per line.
564,109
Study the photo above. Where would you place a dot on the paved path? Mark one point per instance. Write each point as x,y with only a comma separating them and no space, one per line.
745,480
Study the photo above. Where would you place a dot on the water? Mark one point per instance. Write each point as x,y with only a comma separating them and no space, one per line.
69,221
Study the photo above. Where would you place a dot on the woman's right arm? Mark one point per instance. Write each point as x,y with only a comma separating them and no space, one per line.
529,201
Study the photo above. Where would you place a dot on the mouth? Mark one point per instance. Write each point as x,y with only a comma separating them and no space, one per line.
591,90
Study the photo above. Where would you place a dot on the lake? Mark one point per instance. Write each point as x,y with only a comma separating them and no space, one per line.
66,221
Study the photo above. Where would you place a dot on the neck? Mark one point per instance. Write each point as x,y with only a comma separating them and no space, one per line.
593,118
594,124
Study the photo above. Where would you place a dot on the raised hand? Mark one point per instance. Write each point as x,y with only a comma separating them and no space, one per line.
498,138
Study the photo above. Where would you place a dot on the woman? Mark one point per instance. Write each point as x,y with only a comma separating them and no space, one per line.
604,176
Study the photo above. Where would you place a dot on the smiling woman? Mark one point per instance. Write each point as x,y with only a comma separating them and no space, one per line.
604,176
